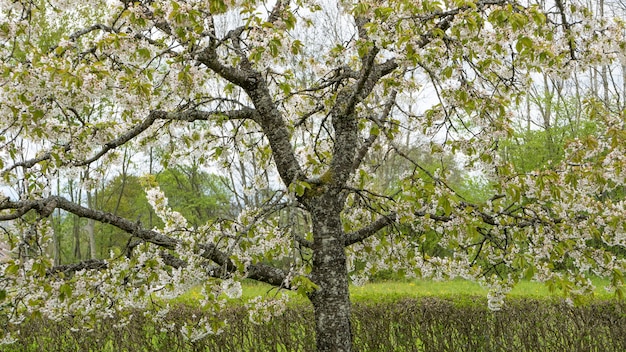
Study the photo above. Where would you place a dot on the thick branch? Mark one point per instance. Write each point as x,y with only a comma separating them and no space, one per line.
259,272
89,264
239,77
269,117
199,115
344,121
268,274
303,241
369,230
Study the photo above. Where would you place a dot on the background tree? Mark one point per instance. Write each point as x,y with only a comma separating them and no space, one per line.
213,79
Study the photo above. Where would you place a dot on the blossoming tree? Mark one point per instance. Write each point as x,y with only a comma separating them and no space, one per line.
318,94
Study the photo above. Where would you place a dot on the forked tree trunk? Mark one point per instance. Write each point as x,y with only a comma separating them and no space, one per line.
331,301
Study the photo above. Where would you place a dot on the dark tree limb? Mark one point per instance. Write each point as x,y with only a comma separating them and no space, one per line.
259,272
89,264
369,230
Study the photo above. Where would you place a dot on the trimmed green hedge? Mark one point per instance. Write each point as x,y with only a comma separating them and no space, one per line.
424,324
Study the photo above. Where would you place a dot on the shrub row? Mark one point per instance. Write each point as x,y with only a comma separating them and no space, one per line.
424,324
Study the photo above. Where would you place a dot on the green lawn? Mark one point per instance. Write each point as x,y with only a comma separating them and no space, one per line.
390,290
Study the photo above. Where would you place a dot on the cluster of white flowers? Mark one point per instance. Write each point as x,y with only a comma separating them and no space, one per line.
498,290
232,289
173,220
262,309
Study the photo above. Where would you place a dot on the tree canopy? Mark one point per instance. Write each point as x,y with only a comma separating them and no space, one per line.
302,101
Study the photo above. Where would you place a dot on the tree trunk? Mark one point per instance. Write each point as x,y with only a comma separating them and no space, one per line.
91,225
331,301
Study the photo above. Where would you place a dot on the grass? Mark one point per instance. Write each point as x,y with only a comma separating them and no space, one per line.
393,290
419,315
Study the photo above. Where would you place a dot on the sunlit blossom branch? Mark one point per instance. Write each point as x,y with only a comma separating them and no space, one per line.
369,230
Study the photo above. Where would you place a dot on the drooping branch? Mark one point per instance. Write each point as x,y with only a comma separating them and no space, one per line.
187,115
123,139
369,230
260,272
45,207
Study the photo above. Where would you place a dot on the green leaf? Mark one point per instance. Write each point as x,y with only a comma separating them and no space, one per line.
274,46
444,203
296,47
523,43
12,269
304,284
217,6
285,87
374,130
300,187
65,291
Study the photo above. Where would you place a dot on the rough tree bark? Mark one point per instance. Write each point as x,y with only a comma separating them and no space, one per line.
331,301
